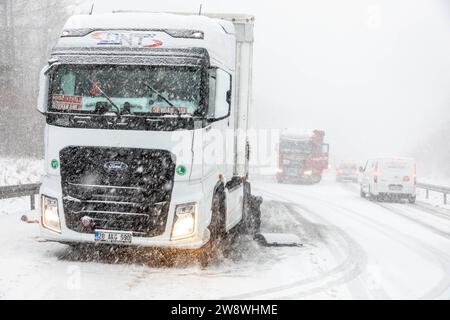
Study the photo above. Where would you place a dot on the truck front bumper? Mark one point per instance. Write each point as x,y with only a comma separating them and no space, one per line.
183,192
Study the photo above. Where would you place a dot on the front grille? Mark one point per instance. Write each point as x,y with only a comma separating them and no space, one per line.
120,189
295,164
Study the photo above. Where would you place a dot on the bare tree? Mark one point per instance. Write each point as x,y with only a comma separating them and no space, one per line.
28,31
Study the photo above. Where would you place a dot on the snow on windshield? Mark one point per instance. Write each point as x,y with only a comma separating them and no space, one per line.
135,90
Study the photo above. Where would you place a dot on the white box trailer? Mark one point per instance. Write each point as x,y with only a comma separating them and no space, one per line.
146,134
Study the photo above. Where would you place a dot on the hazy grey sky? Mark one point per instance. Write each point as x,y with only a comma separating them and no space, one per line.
374,74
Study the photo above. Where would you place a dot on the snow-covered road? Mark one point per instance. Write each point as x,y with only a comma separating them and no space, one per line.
353,249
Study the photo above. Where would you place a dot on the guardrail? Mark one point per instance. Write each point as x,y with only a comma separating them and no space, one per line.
22,190
430,187
31,190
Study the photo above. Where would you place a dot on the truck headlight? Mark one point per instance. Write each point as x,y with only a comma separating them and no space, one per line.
307,172
50,214
184,224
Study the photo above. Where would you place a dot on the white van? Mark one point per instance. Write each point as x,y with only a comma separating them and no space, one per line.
389,177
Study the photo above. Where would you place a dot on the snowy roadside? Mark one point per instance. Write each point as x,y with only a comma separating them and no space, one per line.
20,171
435,199
34,269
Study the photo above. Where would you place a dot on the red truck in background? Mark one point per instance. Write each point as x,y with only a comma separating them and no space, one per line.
302,156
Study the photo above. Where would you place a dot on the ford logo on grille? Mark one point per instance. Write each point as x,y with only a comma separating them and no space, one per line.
115,166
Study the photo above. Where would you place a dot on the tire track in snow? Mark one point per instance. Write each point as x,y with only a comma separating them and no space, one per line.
427,208
353,264
419,205
425,250
398,211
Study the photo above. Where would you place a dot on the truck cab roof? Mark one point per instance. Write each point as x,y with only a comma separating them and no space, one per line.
299,134
169,31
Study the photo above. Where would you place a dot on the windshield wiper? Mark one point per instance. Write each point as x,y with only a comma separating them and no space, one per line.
159,94
106,97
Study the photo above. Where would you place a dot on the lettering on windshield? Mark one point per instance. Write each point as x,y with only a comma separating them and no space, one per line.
63,102
169,110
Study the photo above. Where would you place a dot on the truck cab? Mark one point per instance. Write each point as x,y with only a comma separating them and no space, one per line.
146,129
302,156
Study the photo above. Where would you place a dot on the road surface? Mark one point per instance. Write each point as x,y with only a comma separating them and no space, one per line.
352,249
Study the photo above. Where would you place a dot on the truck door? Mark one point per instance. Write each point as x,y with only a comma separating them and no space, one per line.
218,139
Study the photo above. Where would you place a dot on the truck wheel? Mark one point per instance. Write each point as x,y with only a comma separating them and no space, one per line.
362,193
244,224
254,219
217,229
412,199
280,179
372,197
251,222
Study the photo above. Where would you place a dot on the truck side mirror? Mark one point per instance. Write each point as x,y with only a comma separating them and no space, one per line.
361,169
325,148
43,90
42,103
223,95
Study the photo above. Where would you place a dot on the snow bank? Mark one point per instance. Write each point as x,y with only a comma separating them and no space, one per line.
20,171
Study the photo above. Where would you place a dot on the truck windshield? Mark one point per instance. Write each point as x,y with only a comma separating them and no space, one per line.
138,90
304,147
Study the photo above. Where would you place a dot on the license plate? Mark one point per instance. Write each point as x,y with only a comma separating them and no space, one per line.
395,188
113,236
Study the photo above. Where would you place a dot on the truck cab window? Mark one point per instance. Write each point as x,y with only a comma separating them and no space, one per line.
68,84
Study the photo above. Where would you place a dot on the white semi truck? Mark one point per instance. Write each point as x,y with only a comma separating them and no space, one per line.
146,129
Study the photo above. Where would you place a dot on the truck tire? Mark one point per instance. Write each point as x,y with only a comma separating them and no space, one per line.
280,179
255,213
372,197
217,228
243,225
362,194
412,199
252,219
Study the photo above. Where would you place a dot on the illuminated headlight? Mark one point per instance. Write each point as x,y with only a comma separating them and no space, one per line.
49,214
184,224
307,173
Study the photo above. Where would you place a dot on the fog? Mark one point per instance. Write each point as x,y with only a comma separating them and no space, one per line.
375,75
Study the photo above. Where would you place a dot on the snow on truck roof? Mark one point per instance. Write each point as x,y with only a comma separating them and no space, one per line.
212,33
297,134
408,159
148,21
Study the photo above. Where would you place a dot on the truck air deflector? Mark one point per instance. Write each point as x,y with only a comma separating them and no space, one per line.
191,57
